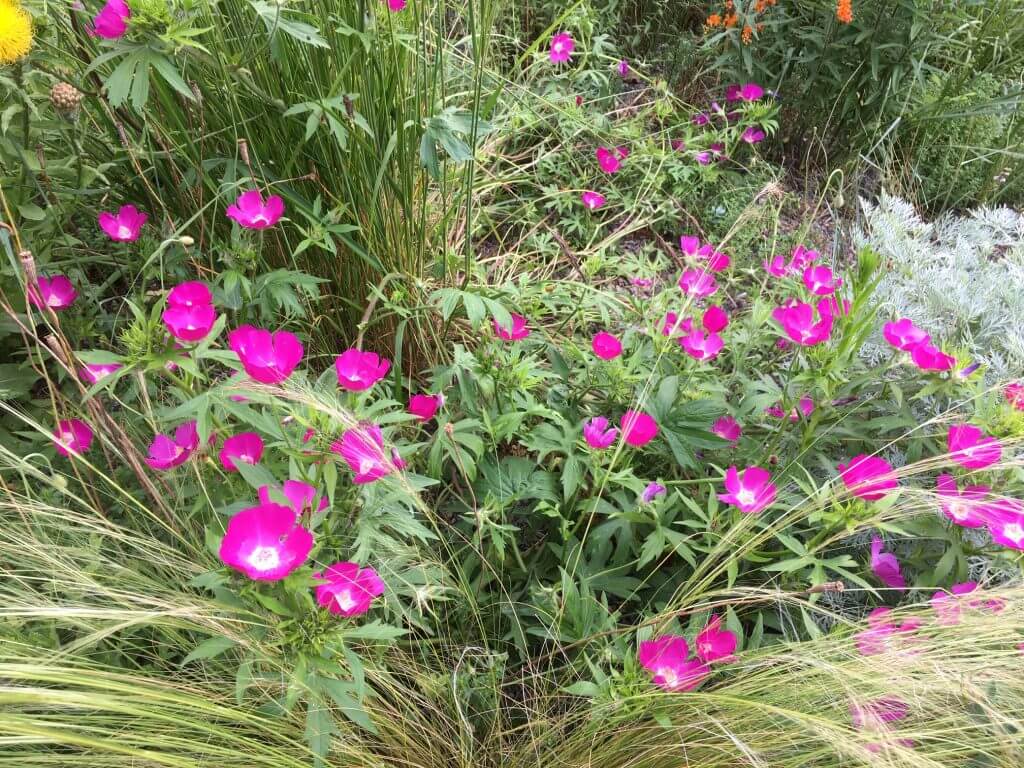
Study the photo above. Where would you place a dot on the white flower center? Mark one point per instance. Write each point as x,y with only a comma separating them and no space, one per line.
124,231
746,497
668,675
365,465
1014,532
958,511
344,600
559,46
264,558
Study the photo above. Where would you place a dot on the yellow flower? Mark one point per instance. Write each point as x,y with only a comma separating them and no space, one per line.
15,32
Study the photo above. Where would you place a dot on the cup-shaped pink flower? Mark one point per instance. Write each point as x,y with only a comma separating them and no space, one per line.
948,605
927,357
598,433
562,46
252,212
903,334
112,20
72,436
245,447
971,448
55,292
167,452
966,507
362,448
777,267
606,346
622,67
819,280
727,428
651,492
592,200
868,477
123,226
517,332
714,643
265,542
396,5
752,135
346,589
885,565
1014,394
358,371
672,325
751,92
876,714
1005,519
608,160
701,347
301,496
689,244
424,407
799,323
91,373
697,283
267,357
750,491
715,319
190,314
638,428
667,660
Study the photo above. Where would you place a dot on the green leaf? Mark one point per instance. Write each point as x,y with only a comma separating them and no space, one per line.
319,729
375,630
243,679
344,694
208,649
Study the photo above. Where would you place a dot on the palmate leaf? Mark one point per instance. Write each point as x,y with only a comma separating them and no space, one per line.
275,19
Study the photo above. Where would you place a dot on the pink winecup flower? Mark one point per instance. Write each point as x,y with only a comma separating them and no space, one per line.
727,428
962,507
697,283
651,492
246,447
598,434
798,322
265,542
751,92
301,496
396,5
667,659
267,357
424,407
622,67
903,334
1014,393
672,325
883,636
928,357
753,135
714,643
94,372
251,212
125,225
112,20
701,347
689,244
347,589
562,46
750,491
820,281
72,436
947,605
358,371
715,319
804,407
608,159
166,452
592,200
189,315
971,449
638,428
517,332
885,565
55,292
868,477
363,450
606,346
874,715
1005,520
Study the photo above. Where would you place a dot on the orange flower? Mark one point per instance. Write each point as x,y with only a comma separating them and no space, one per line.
844,11
713,20
731,20
747,35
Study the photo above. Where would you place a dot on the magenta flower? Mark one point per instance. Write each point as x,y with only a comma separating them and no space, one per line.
672,325
94,372
704,158
347,589
638,428
903,334
606,346
517,332
112,20
962,507
820,281
883,636
622,68
641,282
747,92
715,319
251,212
947,605
727,428
55,292
592,200
363,449
267,357
689,244
751,491
1006,523
868,477
701,347
72,436
125,225
167,453
753,135
358,371
928,357
700,119
678,145
876,714
424,407
652,491
562,46
189,315
396,5
265,542
246,447
697,283
301,496
1014,393
666,658
885,565
598,434
608,159
804,407
715,260
798,322
714,643
971,449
